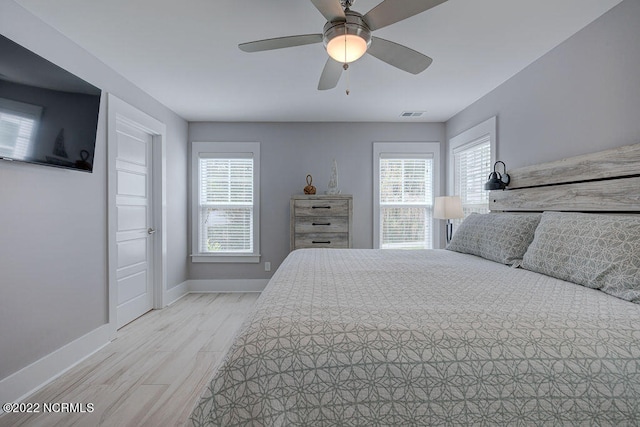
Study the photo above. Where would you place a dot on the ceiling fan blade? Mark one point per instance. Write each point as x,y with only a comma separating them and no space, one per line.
330,9
391,11
280,42
330,75
399,56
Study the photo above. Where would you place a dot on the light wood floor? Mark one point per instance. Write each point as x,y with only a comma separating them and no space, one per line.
153,373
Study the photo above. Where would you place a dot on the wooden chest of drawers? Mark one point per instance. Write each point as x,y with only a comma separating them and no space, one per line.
321,221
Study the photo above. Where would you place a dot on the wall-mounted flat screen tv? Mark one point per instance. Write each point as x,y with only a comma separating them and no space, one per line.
48,116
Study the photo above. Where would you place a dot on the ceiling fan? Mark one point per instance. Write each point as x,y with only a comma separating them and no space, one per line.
347,36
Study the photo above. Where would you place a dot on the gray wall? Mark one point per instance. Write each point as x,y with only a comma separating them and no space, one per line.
53,222
289,152
582,97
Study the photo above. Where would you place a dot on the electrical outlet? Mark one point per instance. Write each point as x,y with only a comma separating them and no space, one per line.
267,266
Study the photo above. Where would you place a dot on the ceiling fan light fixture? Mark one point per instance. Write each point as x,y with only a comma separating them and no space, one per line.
347,48
346,41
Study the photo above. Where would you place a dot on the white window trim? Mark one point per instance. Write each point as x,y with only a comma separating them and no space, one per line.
470,137
431,149
217,148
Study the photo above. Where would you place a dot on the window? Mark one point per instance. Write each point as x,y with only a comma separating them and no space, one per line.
471,155
405,185
472,165
226,208
406,195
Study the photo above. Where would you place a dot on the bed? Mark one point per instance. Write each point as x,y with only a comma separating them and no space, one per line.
440,337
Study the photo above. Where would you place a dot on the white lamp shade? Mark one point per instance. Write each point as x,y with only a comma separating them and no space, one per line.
346,48
448,207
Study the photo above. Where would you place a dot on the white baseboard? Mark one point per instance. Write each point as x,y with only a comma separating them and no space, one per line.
27,380
230,285
177,292
214,286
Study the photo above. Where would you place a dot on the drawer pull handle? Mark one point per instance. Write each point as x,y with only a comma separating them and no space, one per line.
325,242
320,223
320,207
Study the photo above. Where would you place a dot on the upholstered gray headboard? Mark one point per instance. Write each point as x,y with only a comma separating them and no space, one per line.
606,181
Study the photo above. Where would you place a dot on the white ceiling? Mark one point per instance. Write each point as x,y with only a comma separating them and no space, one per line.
184,53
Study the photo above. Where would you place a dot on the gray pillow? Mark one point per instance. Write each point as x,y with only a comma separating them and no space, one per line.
594,250
500,237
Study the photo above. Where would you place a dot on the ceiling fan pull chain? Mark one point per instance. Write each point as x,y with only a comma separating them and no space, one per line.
346,69
346,65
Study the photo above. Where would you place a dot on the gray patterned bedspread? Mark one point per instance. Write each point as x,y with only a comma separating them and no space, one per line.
400,338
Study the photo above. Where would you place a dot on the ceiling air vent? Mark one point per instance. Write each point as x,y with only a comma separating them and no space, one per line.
411,113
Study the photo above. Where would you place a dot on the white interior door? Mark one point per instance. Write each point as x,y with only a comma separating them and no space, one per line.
134,221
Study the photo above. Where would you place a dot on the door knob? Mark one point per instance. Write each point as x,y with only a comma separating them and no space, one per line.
151,231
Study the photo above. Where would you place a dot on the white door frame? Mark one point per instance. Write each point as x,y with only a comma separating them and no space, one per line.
118,109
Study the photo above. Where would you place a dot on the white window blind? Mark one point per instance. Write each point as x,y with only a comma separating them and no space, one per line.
472,165
226,205
406,199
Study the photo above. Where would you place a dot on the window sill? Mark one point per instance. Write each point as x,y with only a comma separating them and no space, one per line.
234,258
